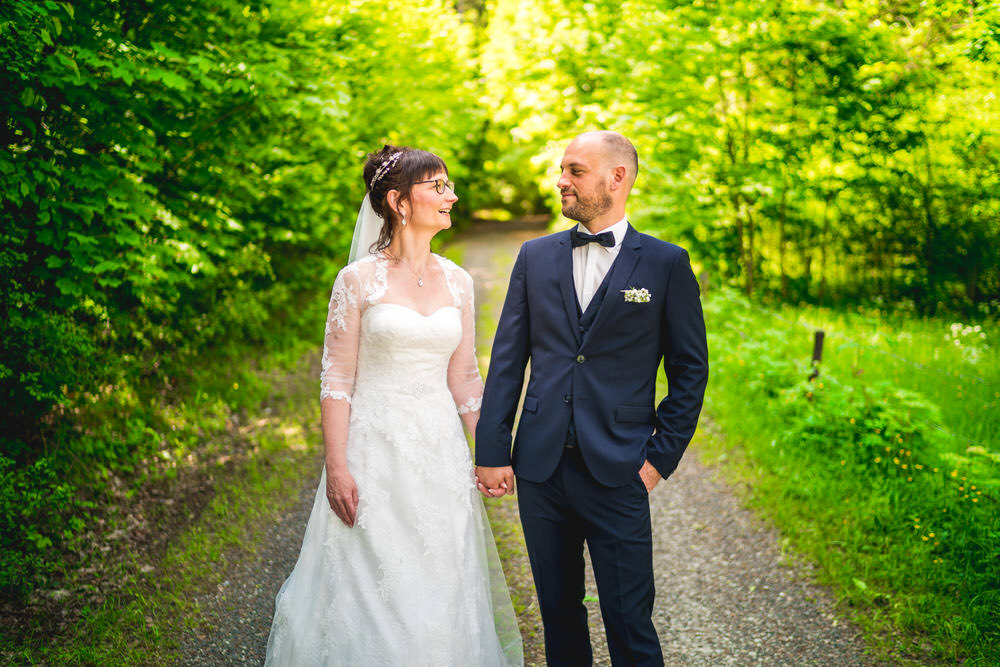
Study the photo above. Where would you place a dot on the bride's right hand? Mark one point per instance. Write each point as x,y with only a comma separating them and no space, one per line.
342,493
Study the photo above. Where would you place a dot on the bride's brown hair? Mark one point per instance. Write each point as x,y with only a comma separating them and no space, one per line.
395,168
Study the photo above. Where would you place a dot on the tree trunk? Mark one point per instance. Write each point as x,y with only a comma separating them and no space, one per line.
971,290
824,242
781,239
750,260
928,201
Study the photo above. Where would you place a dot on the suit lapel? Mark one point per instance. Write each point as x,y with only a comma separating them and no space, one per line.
621,271
564,275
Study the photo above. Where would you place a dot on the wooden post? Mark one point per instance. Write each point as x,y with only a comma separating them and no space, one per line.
817,354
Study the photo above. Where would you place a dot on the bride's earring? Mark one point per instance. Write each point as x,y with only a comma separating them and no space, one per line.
403,214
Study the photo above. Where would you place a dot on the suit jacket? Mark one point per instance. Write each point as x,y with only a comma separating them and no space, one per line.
604,377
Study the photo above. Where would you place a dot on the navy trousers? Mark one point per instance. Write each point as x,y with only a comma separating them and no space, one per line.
558,516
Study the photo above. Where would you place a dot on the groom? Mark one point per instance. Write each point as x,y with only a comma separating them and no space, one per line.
595,309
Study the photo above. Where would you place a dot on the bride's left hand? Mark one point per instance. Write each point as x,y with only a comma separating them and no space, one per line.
495,482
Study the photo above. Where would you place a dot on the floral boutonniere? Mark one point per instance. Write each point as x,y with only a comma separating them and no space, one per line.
636,295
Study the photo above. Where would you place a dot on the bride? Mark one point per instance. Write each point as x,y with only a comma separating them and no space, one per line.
398,564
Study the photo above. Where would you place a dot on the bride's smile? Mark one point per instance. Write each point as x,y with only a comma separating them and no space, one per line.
432,199
398,565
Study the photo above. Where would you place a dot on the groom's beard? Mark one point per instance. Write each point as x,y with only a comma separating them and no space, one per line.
584,209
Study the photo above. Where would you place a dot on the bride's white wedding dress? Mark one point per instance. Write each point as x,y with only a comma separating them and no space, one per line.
417,580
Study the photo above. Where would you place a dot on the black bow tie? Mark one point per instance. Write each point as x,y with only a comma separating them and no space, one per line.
578,238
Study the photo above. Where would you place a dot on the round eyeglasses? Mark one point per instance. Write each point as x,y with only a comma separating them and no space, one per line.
439,184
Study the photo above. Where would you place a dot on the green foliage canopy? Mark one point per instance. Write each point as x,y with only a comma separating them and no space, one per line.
809,149
178,180
174,174
177,183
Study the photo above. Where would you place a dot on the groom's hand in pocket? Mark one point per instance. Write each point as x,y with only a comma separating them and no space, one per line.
495,482
650,476
342,492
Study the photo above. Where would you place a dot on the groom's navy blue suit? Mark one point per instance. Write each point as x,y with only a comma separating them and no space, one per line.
589,421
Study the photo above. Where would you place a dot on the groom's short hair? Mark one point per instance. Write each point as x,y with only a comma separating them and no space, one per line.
621,151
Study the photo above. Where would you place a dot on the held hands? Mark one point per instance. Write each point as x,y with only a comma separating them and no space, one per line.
342,492
495,482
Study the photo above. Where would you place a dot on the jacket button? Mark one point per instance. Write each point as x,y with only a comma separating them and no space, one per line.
580,358
568,398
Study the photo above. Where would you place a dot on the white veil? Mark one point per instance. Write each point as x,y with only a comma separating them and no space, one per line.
366,231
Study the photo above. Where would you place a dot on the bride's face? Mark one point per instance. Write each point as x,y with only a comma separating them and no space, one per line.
429,207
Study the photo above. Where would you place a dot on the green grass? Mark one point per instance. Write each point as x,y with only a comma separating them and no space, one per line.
902,537
883,471
953,364
908,538
152,600
248,428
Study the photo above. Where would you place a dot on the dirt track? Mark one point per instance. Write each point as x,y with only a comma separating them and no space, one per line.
725,595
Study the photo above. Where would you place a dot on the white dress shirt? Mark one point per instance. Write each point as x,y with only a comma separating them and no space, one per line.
591,262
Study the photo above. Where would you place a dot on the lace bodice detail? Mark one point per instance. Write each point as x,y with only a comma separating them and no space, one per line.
374,343
416,580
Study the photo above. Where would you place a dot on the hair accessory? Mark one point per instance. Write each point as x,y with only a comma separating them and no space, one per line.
384,168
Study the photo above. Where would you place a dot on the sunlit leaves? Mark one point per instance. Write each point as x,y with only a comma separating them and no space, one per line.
815,150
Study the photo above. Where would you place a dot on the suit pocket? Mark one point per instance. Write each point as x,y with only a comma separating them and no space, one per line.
642,484
634,414
530,404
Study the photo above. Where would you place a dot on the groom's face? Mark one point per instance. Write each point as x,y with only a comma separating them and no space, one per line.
583,184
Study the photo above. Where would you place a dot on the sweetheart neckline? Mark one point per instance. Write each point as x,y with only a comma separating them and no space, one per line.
412,310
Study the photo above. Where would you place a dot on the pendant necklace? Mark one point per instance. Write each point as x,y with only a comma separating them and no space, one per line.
420,280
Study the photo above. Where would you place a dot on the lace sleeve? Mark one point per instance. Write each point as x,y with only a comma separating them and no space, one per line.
340,342
463,370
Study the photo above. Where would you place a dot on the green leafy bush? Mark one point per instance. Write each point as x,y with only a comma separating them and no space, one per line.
858,472
38,514
179,183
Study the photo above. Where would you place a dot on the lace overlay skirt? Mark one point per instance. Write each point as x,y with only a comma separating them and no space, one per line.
417,580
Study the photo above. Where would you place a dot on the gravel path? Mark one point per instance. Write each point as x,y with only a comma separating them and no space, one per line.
239,611
725,595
